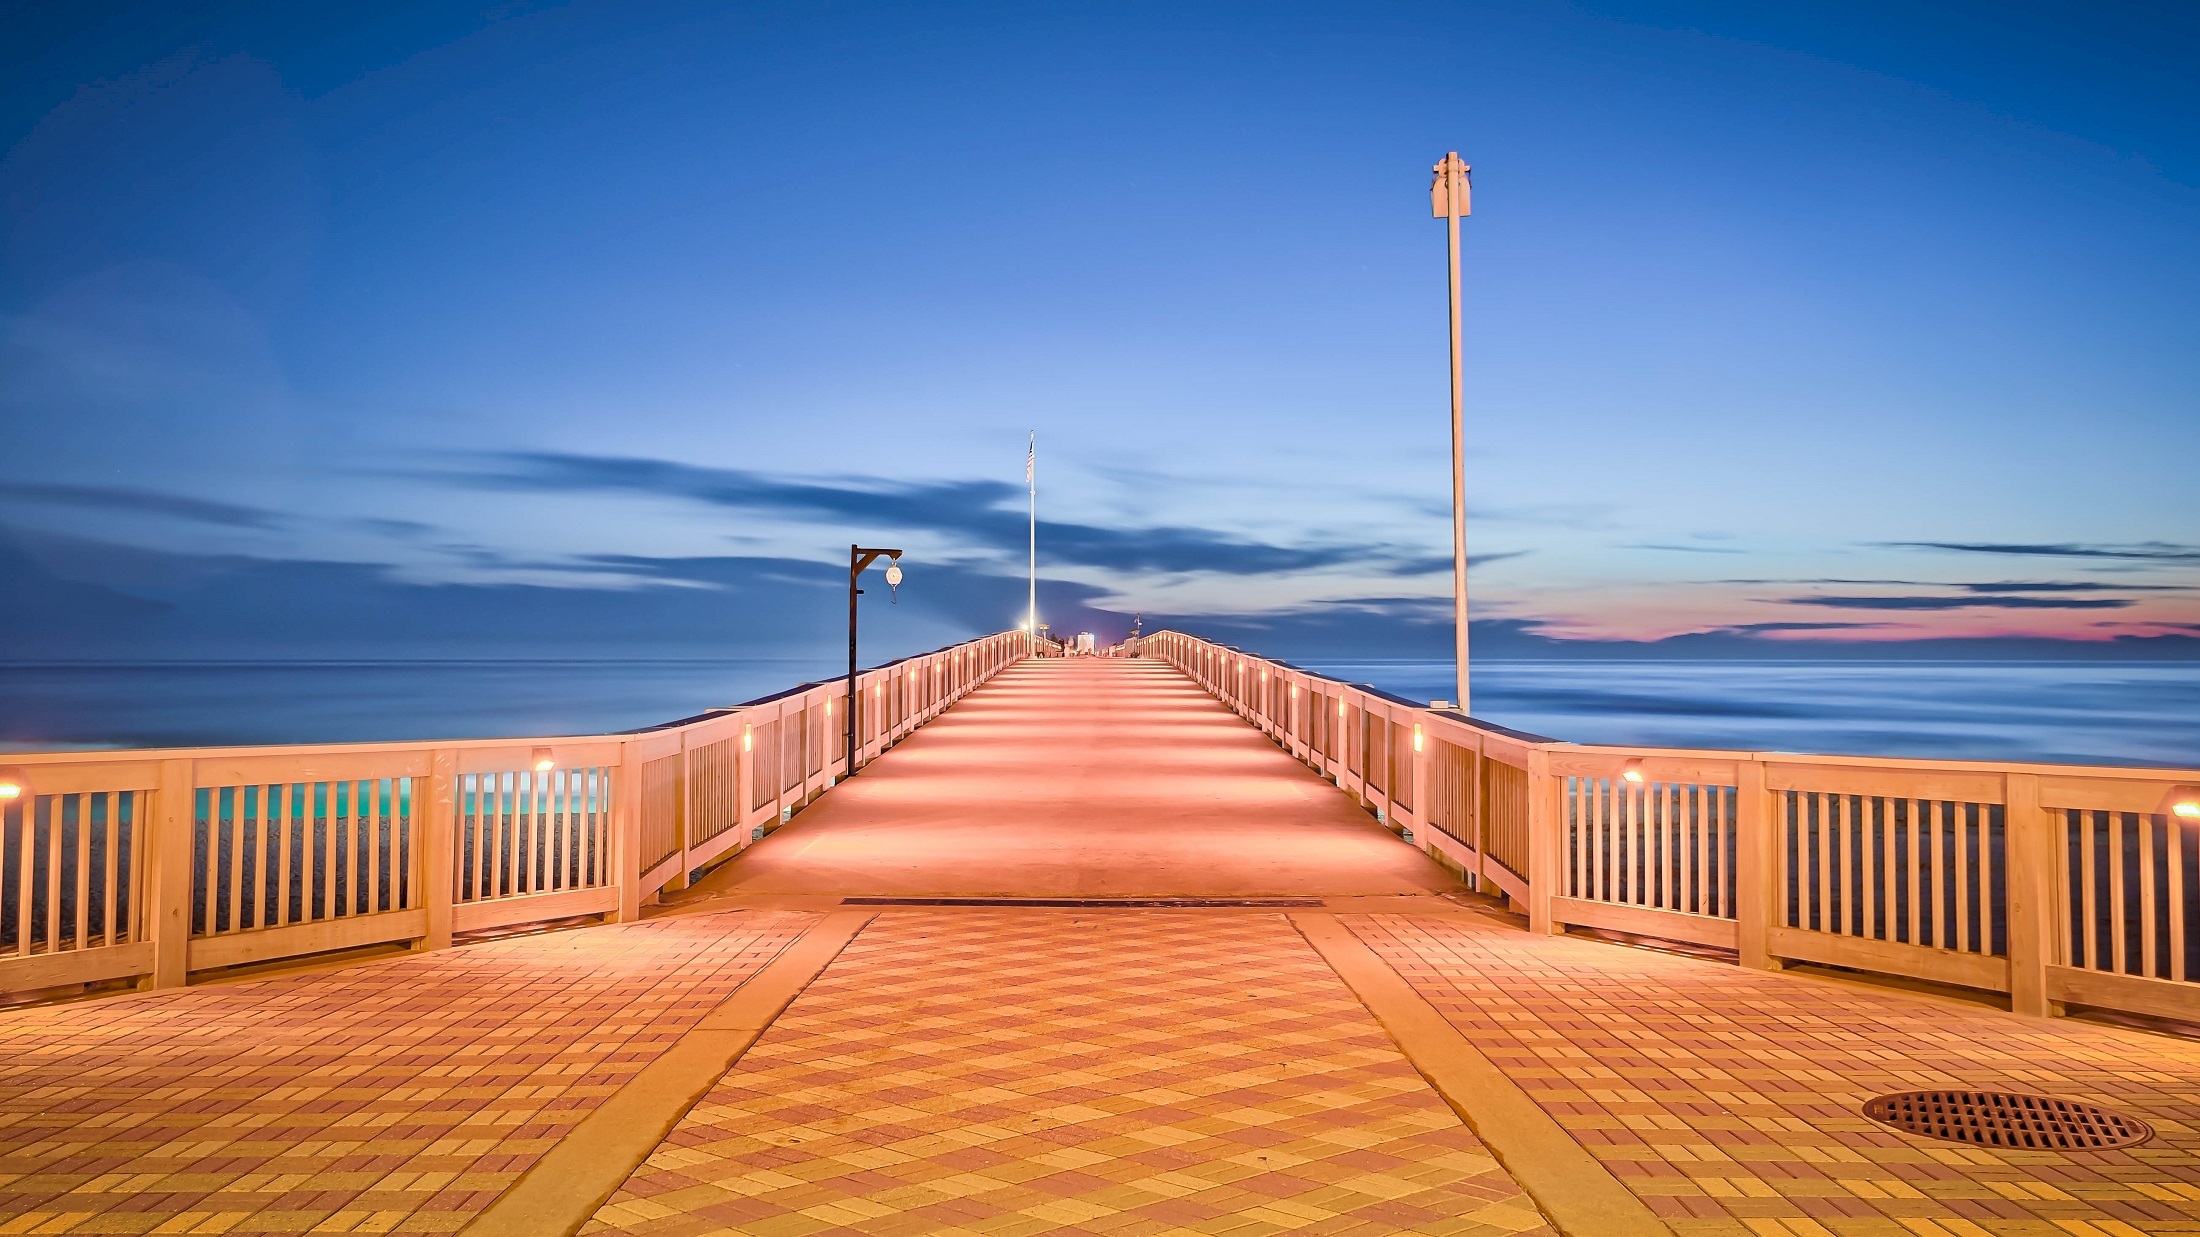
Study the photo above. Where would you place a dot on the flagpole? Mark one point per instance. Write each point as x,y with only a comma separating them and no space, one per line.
1449,198
1031,479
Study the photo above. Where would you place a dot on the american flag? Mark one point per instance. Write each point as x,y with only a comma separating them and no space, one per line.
1031,460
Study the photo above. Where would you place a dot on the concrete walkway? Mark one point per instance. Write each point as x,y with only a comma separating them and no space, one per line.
1084,778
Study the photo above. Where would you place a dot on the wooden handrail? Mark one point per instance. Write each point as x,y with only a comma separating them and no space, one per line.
150,865
1957,871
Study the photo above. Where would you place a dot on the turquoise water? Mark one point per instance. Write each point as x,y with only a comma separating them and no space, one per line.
2117,713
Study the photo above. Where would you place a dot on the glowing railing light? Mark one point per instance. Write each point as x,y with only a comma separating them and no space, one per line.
2182,802
13,786
1417,738
748,738
543,760
1631,772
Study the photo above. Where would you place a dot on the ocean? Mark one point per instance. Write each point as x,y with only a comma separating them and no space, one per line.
2083,712
2120,713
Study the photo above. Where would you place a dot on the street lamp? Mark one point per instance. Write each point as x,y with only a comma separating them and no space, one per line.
1449,197
859,558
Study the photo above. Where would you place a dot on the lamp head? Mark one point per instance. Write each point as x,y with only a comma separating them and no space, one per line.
13,785
1631,772
542,760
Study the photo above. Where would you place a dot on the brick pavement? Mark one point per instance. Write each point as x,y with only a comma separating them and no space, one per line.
1728,1099
1047,1072
399,1095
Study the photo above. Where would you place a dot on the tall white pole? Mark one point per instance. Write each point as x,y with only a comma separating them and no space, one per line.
1451,184
1031,479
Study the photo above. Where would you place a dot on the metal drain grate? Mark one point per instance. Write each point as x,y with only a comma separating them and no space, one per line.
1138,903
2006,1119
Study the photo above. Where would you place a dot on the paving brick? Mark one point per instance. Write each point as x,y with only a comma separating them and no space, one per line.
390,1096
1670,1068
1053,1073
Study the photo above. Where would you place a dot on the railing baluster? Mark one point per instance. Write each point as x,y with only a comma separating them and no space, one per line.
2148,960
2120,961
54,815
2173,854
2088,886
110,912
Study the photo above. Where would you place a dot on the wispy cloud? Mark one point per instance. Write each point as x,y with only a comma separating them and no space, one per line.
1914,602
2138,551
139,502
2067,586
1685,549
981,514
1991,586
1765,628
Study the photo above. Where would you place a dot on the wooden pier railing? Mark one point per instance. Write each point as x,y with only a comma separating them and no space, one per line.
2055,885
150,866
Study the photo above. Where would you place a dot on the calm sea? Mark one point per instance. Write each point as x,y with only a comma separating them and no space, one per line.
2094,712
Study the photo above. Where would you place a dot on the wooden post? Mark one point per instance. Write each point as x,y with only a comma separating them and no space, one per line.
1544,841
744,779
168,875
1422,812
1757,840
439,849
2033,850
626,832
1476,796
682,812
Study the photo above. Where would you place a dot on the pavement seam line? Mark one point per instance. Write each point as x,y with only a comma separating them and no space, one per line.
1574,1190
561,1191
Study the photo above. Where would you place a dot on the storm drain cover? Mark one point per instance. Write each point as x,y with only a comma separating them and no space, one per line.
2006,1119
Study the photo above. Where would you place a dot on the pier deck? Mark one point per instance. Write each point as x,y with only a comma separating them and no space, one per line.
760,1057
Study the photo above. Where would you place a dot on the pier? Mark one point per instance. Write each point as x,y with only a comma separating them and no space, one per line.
1182,940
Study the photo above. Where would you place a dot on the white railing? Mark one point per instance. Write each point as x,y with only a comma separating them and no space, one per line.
2056,885
155,865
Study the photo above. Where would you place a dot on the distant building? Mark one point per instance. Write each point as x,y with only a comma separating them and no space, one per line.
1084,643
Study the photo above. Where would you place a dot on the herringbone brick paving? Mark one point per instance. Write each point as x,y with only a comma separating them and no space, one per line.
396,1096
1728,1099
1121,1073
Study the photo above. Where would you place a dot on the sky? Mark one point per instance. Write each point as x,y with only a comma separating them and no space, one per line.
600,329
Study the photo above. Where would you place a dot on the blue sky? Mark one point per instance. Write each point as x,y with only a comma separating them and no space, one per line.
605,328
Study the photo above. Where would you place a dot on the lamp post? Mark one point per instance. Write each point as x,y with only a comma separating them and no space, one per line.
860,557
1449,197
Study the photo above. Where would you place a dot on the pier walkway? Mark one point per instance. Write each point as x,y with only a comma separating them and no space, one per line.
894,1016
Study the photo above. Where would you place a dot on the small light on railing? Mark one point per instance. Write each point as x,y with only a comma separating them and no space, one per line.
543,761
1294,691
1631,772
748,738
13,785
1417,738
1264,676
828,706
1340,706
2183,802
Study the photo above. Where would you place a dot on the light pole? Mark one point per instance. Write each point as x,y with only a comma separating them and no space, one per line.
860,557
1448,195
